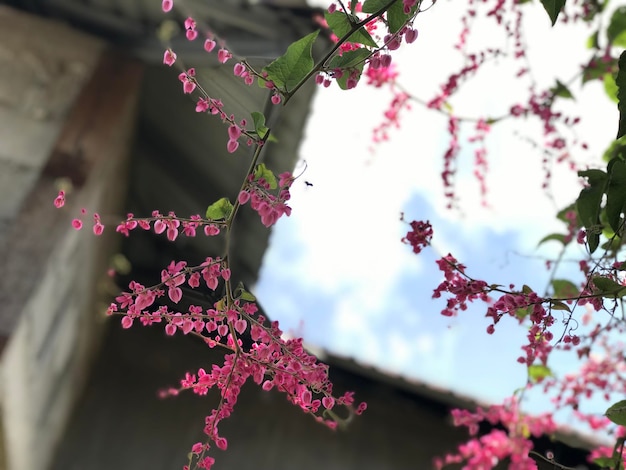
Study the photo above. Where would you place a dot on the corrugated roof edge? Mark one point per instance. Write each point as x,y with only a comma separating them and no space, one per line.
565,434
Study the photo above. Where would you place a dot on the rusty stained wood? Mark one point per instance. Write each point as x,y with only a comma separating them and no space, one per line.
45,65
90,137
48,322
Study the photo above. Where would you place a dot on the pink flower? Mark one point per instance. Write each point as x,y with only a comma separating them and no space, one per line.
285,179
167,5
410,35
419,236
77,224
98,228
234,132
239,69
187,326
209,45
190,23
223,55
232,146
194,280
221,443
189,86
159,227
202,105
328,402
276,99
240,325
59,201
244,196
191,34
379,75
392,42
169,57
211,230
172,233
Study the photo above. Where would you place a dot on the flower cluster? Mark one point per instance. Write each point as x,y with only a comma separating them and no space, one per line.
255,348
270,207
419,236
270,361
170,224
486,451
462,288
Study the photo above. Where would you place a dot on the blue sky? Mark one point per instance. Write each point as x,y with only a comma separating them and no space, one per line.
336,272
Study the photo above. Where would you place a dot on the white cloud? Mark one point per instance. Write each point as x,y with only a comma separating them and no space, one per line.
347,224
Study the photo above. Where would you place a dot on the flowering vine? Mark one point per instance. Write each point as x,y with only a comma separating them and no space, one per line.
363,37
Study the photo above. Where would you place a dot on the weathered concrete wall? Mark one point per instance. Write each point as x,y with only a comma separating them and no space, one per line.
67,113
44,68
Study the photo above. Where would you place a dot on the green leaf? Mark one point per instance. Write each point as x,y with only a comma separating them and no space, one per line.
616,194
241,293
526,289
617,149
220,209
396,18
349,59
553,7
260,128
620,80
340,24
247,296
608,287
553,236
562,215
617,413
561,90
558,305
354,71
564,289
538,372
616,30
606,462
259,124
589,202
261,171
610,87
291,68
372,6
523,312
592,41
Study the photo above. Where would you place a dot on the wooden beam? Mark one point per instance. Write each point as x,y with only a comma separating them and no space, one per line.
49,322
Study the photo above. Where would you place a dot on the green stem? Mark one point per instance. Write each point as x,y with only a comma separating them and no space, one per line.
237,205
